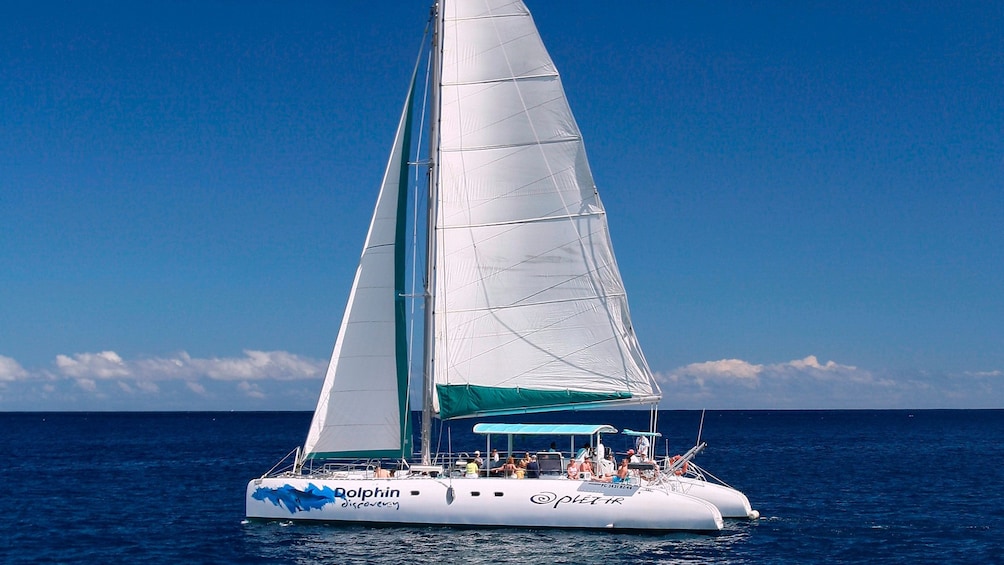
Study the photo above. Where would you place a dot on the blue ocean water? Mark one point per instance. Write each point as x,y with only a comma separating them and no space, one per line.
832,486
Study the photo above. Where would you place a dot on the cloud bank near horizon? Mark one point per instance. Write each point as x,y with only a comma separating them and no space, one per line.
808,384
258,380
279,380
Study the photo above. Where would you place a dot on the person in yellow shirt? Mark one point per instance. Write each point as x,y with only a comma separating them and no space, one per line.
471,469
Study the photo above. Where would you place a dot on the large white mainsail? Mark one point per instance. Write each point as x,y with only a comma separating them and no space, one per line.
530,309
363,407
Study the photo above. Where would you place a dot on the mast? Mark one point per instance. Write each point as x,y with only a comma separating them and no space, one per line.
428,375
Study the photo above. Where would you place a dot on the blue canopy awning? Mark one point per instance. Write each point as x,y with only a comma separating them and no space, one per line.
628,432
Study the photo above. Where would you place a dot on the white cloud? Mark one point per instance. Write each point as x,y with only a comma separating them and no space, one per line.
178,381
255,365
87,384
739,370
811,362
984,374
800,383
104,365
147,386
138,386
252,390
727,369
11,370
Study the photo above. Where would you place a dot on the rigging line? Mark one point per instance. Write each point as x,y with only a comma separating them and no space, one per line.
523,77
416,189
700,429
410,352
431,249
525,221
441,282
531,304
537,143
489,16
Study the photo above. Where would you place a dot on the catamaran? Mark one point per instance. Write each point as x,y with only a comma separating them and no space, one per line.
523,311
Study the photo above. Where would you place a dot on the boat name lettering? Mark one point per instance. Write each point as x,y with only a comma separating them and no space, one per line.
549,498
396,505
358,497
364,493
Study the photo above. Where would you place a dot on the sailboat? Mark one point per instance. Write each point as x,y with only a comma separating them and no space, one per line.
523,311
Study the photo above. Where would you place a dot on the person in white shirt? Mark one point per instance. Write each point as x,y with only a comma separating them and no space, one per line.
606,466
643,447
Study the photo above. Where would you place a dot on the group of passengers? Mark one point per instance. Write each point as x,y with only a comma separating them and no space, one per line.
585,464
524,468
605,468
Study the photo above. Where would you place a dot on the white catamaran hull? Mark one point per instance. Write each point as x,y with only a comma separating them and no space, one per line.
729,501
480,502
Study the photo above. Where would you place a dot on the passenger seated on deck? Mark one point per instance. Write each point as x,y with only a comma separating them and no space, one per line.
606,466
509,469
573,469
381,473
533,468
494,463
471,469
621,475
622,472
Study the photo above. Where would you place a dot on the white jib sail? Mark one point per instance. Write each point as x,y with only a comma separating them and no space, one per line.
362,405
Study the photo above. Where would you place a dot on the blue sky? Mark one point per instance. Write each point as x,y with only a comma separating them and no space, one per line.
805,198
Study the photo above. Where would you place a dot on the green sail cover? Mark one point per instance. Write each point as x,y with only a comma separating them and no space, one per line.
458,401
